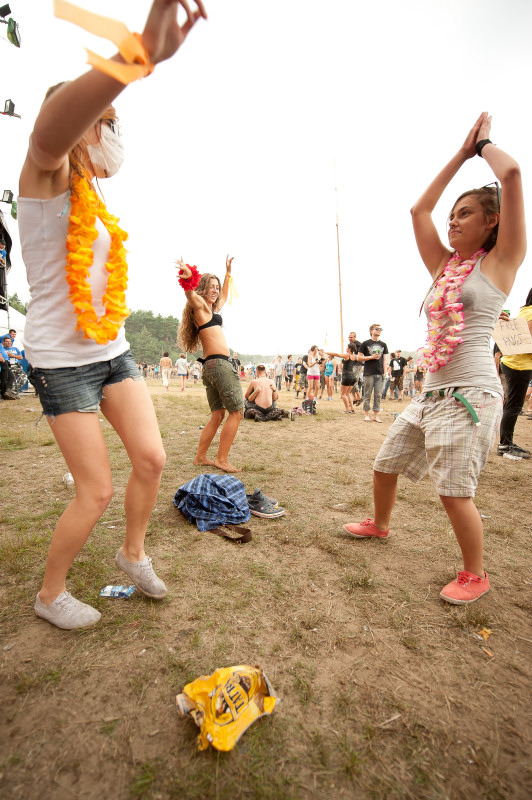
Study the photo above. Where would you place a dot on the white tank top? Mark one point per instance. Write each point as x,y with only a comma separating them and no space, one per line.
50,335
313,372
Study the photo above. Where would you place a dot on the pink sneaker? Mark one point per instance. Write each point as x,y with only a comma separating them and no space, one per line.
365,530
466,588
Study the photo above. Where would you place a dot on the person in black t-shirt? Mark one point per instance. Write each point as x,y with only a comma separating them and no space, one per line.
303,382
397,368
234,359
374,355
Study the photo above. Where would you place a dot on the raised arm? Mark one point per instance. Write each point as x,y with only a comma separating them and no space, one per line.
197,302
503,261
76,106
224,294
431,249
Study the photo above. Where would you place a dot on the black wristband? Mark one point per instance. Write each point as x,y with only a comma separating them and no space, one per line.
480,145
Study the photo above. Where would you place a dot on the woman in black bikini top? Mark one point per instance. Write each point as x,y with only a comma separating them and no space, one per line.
216,319
220,377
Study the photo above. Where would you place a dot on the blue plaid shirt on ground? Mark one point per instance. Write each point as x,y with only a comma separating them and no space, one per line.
212,500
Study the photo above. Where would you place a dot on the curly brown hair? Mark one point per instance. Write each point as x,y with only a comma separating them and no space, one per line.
488,197
188,336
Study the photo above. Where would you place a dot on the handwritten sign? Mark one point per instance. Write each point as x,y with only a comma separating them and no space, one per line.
512,336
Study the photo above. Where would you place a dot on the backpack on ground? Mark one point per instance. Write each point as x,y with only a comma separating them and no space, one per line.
309,406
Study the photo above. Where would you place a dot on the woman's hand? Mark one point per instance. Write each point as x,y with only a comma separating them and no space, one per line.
184,271
228,262
485,128
469,146
163,36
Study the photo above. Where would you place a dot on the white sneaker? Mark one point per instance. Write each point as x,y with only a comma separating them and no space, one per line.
66,612
143,576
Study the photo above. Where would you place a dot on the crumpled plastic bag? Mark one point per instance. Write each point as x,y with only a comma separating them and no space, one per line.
224,704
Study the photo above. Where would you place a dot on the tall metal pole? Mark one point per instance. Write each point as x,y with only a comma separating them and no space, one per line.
339,270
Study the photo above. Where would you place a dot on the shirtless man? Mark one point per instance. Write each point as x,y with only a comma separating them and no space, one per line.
261,392
165,367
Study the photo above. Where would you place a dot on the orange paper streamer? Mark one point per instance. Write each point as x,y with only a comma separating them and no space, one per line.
129,44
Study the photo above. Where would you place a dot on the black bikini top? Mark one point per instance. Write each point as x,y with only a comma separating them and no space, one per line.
216,319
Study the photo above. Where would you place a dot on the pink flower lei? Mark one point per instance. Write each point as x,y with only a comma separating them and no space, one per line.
445,306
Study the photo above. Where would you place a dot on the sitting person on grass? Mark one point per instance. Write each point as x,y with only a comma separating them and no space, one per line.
260,397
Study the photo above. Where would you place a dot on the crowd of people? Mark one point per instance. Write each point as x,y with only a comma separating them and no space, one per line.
12,375
80,363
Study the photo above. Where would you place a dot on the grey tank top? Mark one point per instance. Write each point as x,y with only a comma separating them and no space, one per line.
472,362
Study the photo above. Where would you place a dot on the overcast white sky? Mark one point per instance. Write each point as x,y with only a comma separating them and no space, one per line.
231,147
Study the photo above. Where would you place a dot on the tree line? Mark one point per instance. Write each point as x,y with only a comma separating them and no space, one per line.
150,336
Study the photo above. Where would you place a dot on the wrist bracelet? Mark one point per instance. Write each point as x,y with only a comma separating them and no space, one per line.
189,284
480,145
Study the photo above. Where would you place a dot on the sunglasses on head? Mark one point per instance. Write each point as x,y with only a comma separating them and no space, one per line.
497,186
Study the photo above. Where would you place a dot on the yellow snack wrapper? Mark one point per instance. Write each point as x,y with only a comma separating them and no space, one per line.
223,705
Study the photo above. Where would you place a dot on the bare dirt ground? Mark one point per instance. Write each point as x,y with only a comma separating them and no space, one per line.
386,691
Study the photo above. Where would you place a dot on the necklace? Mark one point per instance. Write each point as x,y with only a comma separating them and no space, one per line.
444,308
85,207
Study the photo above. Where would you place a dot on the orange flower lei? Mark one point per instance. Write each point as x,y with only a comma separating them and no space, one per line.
85,207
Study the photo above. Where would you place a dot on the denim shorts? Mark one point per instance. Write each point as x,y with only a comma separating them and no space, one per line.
66,389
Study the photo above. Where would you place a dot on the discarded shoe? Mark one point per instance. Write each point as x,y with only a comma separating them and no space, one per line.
365,530
465,589
66,612
262,506
143,576
259,496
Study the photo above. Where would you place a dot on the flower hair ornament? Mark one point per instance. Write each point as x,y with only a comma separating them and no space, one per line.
444,308
85,207
189,284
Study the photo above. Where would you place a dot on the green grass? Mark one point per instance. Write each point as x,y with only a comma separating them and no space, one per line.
374,673
13,443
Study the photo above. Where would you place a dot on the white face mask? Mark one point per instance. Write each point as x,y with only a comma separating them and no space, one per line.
106,156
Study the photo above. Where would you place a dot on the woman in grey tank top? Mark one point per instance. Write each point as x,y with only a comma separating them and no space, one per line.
449,429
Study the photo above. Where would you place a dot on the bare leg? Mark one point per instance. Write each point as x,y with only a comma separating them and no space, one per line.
128,407
468,529
346,397
384,495
226,440
80,439
207,435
